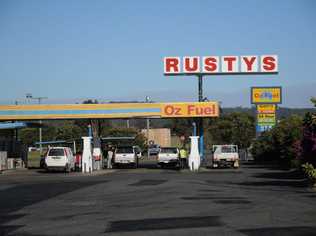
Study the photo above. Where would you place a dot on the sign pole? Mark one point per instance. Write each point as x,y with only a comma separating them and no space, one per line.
200,77
200,123
257,131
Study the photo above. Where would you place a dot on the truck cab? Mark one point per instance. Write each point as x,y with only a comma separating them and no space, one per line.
225,156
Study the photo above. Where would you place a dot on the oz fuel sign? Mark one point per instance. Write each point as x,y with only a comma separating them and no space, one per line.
266,95
195,109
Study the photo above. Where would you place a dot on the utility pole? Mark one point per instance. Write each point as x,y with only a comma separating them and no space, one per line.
147,122
200,120
30,96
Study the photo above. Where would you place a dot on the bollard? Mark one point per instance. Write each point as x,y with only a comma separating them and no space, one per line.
194,158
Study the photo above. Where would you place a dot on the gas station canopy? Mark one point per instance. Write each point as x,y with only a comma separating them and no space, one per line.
117,110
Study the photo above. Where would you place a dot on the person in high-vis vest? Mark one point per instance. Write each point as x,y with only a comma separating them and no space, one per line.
183,158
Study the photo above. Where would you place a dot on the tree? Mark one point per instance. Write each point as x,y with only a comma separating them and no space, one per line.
306,148
235,128
29,136
140,139
97,125
182,126
278,144
285,135
68,131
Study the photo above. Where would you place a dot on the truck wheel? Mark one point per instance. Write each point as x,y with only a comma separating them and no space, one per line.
236,165
67,168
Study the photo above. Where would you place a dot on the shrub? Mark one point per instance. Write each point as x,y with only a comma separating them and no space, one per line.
309,171
280,143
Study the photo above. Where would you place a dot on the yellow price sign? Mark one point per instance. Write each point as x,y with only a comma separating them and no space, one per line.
266,108
266,118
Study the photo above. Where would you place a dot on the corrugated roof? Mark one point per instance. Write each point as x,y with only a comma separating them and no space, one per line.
16,125
51,142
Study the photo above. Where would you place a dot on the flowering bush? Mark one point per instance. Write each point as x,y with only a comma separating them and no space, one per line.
306,148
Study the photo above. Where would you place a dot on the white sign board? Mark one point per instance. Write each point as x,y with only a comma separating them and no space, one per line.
221,65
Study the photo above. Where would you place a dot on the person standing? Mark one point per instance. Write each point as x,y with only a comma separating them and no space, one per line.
183,158
110,156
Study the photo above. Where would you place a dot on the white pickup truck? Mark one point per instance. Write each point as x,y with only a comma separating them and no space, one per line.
126,155
225,155
168,156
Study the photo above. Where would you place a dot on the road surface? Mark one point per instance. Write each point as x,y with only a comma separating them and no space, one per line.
252,200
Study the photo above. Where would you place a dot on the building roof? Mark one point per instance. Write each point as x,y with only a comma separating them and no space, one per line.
16,125
19,125
118,138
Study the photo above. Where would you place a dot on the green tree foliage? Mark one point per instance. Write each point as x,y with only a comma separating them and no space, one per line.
313,100
306,147
140,139
278,144
69,131
65,130
235,128
98,125
29,136
182,126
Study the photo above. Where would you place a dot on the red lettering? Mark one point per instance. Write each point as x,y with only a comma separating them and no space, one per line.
208,111
249,62
210,64
200,111
269,63
190,109
177,111
169,110
191,64
229,61
172,111
172,65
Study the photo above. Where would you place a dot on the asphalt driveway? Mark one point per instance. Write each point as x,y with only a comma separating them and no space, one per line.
253,200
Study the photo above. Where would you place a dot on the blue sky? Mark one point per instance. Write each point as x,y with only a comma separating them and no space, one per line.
113,50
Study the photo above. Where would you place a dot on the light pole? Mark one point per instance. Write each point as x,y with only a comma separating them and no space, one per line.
30,96
147,121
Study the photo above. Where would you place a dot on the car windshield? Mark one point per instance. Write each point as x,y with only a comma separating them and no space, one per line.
56,152
228,149
124,150
169,150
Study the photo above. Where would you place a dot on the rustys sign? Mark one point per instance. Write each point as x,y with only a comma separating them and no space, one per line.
221,65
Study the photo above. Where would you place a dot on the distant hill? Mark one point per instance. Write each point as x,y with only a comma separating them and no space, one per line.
282,112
